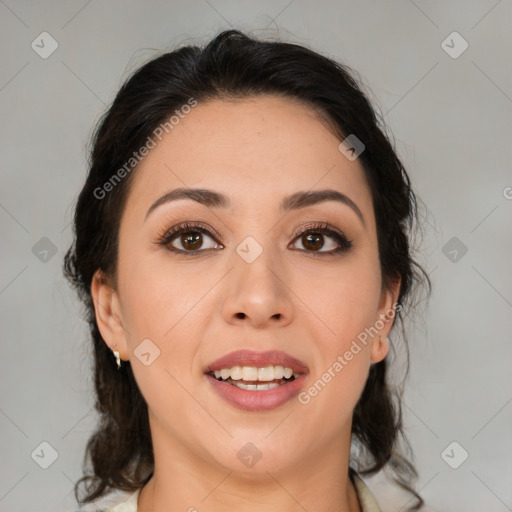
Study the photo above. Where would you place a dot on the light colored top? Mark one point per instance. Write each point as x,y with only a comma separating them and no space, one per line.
365,496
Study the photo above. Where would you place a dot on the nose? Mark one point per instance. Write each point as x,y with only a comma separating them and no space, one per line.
258,294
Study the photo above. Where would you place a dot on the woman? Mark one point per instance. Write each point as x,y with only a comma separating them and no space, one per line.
241,246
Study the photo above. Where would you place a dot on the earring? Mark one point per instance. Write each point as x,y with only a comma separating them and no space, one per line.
118,359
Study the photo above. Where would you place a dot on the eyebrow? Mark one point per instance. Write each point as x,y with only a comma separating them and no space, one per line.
298,200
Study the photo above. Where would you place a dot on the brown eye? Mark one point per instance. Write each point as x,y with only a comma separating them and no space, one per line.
322,240
189,239
313,241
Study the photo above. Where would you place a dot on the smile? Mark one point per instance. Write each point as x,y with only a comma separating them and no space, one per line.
257,381
252,378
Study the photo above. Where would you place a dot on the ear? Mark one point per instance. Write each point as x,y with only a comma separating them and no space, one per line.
108,314
384,320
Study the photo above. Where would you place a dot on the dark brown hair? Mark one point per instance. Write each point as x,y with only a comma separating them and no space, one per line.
233,66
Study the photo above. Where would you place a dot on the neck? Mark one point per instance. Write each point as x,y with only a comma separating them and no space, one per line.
184,482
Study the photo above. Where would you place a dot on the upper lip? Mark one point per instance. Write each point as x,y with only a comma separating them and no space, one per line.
257,359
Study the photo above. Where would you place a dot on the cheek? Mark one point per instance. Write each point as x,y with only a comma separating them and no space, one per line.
344,300
158,299
331,397
164,309
342,350
346,303
161,317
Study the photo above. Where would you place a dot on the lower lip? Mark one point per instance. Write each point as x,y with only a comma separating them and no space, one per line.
264,400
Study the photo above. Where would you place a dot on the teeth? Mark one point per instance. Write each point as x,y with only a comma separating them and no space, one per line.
256,387
251,373
288,372
236,372
266,374
278,372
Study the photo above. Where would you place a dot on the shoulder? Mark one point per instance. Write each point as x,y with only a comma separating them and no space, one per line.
127,505
366,498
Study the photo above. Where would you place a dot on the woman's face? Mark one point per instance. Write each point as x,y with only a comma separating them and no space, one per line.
254,284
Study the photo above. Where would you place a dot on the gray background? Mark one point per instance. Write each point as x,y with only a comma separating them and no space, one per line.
451,118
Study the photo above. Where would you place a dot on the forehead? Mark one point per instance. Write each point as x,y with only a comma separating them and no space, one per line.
255,150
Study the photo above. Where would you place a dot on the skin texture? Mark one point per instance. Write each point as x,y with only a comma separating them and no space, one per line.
310,305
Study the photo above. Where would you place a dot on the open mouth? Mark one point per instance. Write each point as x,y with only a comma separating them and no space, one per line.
253,378
256,381
257,388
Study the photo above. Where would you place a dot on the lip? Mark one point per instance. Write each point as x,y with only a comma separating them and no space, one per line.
257,400
257,359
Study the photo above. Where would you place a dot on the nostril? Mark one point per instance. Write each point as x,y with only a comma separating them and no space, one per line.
240,315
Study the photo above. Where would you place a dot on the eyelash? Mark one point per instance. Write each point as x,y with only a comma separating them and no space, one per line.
344,244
